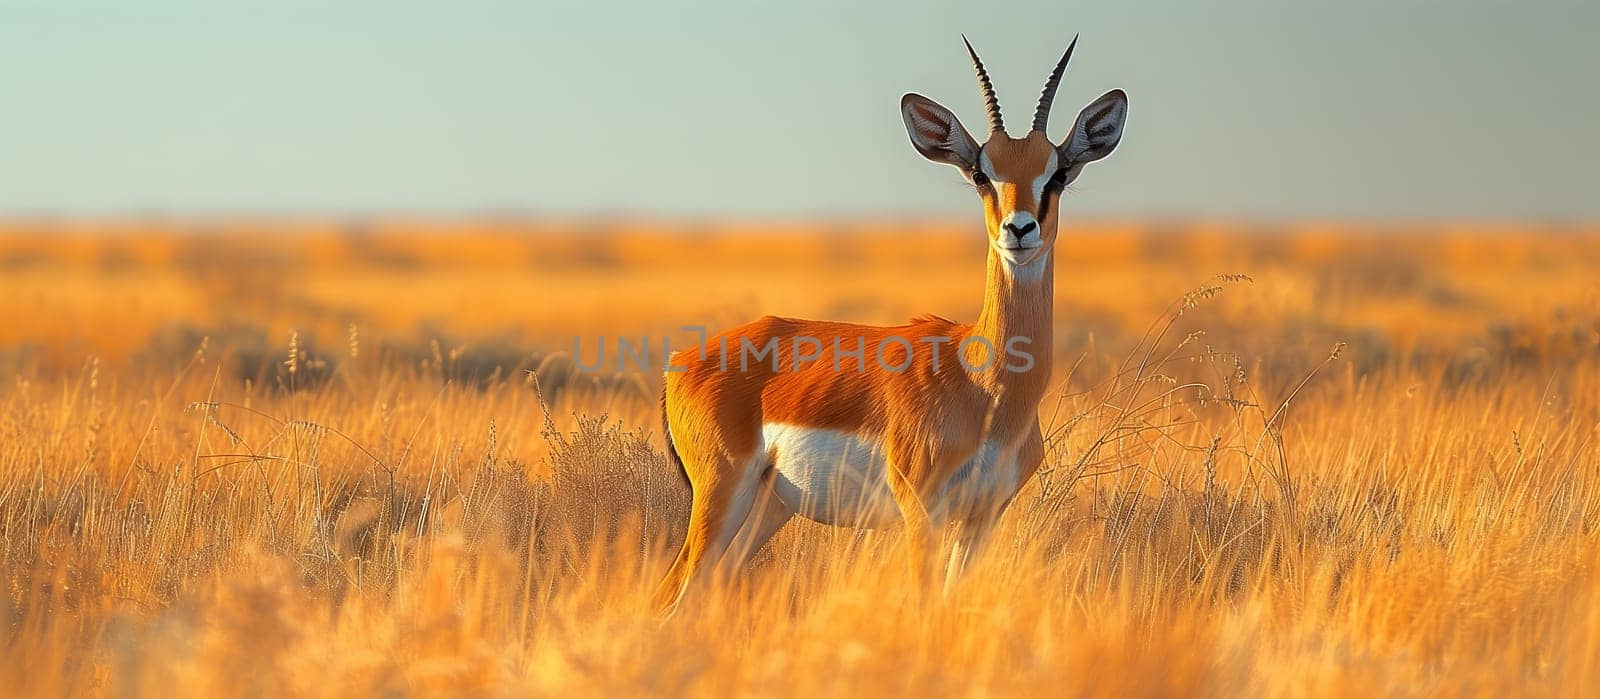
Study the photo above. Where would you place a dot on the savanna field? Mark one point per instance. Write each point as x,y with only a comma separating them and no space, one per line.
331,458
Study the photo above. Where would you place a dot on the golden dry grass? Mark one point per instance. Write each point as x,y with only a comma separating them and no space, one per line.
189,506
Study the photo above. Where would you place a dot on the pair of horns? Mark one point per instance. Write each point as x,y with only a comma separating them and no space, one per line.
1041,115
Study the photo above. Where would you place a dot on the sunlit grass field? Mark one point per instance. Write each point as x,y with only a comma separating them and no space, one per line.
331,458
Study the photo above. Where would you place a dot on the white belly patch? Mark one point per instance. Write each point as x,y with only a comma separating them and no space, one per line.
831,476
838,477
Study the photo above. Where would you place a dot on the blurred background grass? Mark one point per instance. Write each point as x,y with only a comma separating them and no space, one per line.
246,457
498,293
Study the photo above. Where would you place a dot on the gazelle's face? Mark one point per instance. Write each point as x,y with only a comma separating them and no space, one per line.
1020,180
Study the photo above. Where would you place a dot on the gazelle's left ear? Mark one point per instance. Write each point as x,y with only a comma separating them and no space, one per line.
1098,130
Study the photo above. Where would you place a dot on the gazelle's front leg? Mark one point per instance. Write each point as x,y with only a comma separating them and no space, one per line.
910,461
918,468
970,542
921,539
978,529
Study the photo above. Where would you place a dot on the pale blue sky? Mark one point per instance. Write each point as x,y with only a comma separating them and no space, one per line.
1362,108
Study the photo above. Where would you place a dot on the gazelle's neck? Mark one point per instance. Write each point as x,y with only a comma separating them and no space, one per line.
1017,314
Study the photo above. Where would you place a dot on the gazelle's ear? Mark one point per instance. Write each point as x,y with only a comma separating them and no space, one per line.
1098,130
937,134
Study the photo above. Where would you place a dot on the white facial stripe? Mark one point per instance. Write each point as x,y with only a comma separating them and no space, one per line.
1043,179
987,168
1038,186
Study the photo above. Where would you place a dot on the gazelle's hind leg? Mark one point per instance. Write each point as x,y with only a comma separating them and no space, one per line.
717,511
767,515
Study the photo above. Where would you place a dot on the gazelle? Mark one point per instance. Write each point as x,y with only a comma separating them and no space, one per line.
934,422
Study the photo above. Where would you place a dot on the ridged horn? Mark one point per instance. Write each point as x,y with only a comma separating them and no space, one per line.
990,102
1041,116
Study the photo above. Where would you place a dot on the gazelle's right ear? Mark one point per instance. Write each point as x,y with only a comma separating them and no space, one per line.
937,134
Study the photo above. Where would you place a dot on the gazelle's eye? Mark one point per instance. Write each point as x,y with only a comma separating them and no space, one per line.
1057,180
979,179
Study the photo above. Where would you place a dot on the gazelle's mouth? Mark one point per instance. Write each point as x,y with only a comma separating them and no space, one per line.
1018,255
1020,245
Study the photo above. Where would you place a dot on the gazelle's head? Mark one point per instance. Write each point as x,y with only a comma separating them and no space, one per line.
1019,179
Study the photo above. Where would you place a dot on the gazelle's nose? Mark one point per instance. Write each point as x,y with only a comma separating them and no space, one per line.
1020,224
1021,230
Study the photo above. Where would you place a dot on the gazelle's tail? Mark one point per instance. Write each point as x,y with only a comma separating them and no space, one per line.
672,449
671,587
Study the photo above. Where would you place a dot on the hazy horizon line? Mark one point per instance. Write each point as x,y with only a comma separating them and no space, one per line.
685,222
